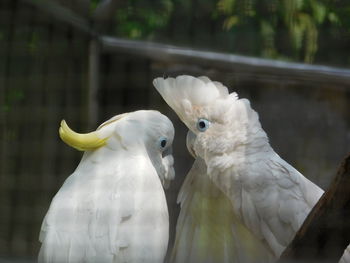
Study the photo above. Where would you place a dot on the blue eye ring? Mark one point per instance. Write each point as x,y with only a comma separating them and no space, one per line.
162,142
203,124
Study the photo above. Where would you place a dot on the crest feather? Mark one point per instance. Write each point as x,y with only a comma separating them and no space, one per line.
199,91
80,141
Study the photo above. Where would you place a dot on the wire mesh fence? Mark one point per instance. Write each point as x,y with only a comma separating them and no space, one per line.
40,84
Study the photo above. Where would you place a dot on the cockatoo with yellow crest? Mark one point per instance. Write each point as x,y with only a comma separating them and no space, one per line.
269,196
113,207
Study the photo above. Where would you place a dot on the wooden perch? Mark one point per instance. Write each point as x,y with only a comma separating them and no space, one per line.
326,231
243,66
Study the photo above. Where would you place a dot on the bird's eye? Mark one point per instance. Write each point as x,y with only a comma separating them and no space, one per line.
203,125
162,142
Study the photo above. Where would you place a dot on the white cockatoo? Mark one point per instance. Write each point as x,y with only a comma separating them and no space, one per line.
113,207
208,231
267,194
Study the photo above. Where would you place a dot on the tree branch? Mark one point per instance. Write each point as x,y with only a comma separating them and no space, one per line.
325,233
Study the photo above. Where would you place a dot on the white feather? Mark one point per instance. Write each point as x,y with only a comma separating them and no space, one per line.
110,209
207,230
267,194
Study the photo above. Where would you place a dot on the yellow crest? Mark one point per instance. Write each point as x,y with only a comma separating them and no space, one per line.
81,142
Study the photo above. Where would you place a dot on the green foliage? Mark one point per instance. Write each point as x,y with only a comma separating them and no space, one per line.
33,42
12,97
93,4
139,19
283,29
296,20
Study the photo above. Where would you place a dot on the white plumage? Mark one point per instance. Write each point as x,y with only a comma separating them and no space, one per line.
207,229
267,194
113,207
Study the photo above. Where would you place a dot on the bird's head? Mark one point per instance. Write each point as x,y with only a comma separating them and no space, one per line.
220,123
141,132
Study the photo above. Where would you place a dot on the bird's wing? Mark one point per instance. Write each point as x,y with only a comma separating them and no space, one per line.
274,200
207,229
86,218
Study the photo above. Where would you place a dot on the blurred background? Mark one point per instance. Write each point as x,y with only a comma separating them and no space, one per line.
87,60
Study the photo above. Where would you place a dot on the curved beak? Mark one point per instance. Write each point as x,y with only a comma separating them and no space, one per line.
190,139
168,163
168,151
